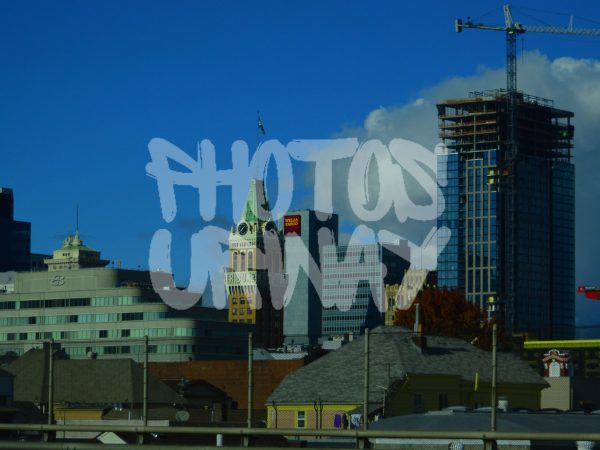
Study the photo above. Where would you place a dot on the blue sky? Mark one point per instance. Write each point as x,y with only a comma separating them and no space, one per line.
85,86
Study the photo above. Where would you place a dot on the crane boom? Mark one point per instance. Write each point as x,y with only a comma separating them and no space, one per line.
459,25
563,30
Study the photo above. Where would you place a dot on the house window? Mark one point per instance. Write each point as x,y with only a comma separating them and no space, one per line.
250,262
443,401
234,262
103,333
418,403
301,419
242,262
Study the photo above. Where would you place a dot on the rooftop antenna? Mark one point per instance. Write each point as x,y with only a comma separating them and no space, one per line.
260,129
77,219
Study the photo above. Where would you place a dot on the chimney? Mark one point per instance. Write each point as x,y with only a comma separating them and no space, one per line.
503,403
416,328
418,339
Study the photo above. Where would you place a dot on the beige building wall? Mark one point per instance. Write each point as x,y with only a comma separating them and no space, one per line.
558,395
286,416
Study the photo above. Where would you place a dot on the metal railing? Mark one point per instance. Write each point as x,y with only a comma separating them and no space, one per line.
360,436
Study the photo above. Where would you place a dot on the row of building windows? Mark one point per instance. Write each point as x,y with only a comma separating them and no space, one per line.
357,275
351,315
352,250
135,349
82,318
104,334
78,302
329,284
245,244
242,261
237,290
353,269
242,311
123,300
54,303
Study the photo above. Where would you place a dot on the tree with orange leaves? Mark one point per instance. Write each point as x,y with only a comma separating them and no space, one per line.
446,312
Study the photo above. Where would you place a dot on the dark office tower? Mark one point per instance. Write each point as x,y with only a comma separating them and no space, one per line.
301,229
15,236
6,204
511,217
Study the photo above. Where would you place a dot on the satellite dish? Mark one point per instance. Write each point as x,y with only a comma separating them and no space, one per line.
182,416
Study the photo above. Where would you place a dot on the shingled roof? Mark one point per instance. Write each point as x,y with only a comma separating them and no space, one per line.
86,381
339,376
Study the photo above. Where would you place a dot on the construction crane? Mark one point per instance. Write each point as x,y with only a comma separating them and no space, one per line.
512,30
591,292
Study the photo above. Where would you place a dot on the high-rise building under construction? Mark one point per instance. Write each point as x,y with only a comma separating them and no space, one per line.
510,208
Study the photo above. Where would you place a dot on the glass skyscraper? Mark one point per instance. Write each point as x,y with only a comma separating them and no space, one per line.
511,246
353,284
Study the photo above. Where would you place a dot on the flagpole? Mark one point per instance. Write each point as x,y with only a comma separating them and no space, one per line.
257,141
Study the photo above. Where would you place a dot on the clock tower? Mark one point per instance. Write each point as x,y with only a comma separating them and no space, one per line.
254,279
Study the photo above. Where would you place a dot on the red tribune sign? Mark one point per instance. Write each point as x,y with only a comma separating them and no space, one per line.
292,224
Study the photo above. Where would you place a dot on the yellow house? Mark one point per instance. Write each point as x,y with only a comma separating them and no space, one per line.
407,374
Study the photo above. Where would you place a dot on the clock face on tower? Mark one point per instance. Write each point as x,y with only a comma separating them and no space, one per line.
243,228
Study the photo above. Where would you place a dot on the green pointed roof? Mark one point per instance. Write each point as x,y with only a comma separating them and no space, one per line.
75,243
73,254
257,207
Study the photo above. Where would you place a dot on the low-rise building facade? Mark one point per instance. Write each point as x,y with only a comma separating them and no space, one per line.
407,374
107,312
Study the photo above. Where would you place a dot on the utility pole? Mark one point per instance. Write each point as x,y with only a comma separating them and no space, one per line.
494,374
247,438
145,405
51,383
366,387
140,436
49,435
